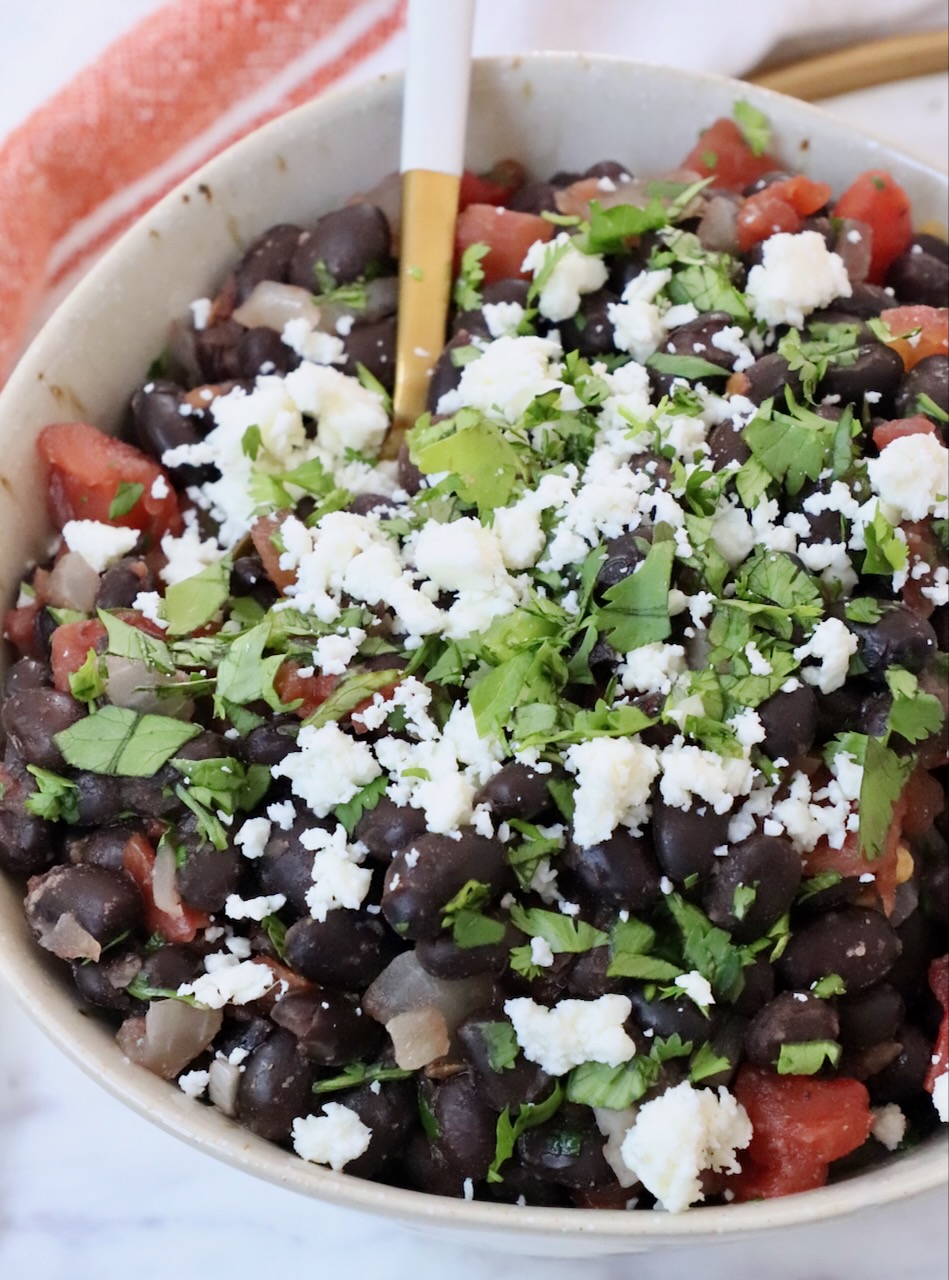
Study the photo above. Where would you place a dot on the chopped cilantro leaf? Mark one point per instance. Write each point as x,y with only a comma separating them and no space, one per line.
754,125
194,602
706,1062
56,799
126,497
637,608
529,1115
122,743
503,1048
808,1058
561,933
914,714
363,802
359,1073
467,292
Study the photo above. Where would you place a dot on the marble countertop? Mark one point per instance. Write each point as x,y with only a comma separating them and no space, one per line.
89,1191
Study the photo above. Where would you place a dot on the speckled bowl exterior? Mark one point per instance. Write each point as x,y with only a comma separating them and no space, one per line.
554,112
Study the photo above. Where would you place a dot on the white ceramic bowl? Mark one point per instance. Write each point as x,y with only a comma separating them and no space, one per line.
554,112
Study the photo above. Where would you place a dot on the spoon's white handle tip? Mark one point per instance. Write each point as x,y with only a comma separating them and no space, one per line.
436,87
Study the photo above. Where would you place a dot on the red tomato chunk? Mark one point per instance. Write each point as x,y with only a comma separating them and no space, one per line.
876,199
507,234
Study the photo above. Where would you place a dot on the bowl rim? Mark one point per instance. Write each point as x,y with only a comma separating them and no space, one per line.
36,989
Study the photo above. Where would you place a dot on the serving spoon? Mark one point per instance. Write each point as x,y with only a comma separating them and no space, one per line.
434,115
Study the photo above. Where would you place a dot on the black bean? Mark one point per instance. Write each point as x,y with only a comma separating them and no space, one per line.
26,673
348,949
103,847
427,1168
498,291
208,876
103,983
267,258
726,444
611,169
151,797
901,638
793,1017
122,582
32,718
44,624
767,865
857,945
621,871
447,374
373,345
590,331
274,1087
685,840
903,1078
467,1127
330,1027
388,827
167,967
937,246
516,791
867,1017
287,867
790,723
347,243
928,378
727,1041
877,368
410,478
365,503
104,903
389,1110
677,1015
216,351
588,978
270,742
534,197
921,942
918,277
768,377
262,350
758,986
426,875
442,957
99,798
27,844
568,1150
507,1085
866,301
695,339
249,578
157,424
623,555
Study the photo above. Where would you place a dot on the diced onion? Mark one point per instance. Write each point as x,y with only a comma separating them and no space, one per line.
69,940
164,888
854,244
73,583
224,1081
271,305
419,1036
718,228
404,985
171,1035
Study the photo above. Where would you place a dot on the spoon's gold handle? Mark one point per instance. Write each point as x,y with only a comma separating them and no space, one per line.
429,211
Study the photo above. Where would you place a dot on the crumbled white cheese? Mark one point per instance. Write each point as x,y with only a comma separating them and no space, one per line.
338,878
652,668
200,313
348,415
194,1083
614,779
678,1135
229,980
238,908
889,1126
833,645
506,377
328,768
335,1137
797,274
253,836
911,476
541,953
322,348
333,654
100,545
941,1096
503,318
688,771
572,1032
573,274
151,605
696,987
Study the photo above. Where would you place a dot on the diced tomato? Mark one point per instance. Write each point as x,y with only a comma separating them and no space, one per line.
183,925
932,338
799,1123
70,645
850,863
507,234
876,199
494,187
722,154
19,627
768,1182
311,691
295,983
261,535
939,985
86,468
885,433
782,206
924,799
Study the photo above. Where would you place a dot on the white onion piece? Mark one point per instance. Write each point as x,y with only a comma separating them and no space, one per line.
419,1036
130,683
718,229
614,1125
164,888
575,199
856,253
69,940
73,583
404,985
387,196
175,1033
224,1080
271,305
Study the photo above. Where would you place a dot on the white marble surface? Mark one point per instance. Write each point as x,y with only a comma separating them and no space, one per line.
89,1191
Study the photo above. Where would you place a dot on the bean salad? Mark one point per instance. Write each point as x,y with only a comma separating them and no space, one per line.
552,814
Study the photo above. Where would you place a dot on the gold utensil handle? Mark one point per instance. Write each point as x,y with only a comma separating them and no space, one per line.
429,209
860,66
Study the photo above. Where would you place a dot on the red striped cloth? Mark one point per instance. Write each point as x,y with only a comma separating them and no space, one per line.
181,85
